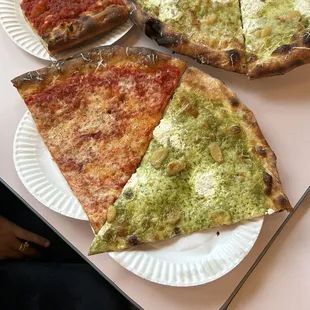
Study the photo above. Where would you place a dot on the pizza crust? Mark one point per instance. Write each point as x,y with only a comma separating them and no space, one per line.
31,82
86,26
284,59
277,200
164,35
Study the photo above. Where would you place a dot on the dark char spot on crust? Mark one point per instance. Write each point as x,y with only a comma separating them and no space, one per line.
128,194
298,62
177,230
283,49
70,27
282,200
234,56
267,179
307,38
234,102
84,18
252,58
154,30
132,240
260,150
169,40
267,191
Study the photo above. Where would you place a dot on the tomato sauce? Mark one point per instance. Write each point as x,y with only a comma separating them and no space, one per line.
47,14
72,92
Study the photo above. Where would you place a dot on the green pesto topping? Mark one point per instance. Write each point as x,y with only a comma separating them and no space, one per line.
269,24
200,191
214,23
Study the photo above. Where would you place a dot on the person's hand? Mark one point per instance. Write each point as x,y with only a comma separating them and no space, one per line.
12,238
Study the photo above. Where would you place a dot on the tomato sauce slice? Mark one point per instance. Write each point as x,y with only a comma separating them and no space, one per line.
45,15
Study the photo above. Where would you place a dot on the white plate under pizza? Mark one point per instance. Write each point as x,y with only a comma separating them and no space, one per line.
182,261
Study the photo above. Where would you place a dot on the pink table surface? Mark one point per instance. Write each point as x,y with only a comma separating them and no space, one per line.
282,107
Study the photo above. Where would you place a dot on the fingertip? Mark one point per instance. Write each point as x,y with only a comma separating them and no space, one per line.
46,243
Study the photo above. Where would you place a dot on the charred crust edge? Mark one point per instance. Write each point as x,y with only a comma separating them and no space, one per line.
267,178
283,202
260,150
283,49
234,101
133,240
87,27
177,230
234,57
90,56
283,59
230,60
154,30
306,38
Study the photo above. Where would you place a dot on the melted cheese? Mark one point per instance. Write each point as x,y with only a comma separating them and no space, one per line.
205,184
169,10
127,85
156,2
303,6
167,135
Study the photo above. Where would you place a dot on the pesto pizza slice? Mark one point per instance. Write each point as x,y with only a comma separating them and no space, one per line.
96,113
277,35
207,165
209,31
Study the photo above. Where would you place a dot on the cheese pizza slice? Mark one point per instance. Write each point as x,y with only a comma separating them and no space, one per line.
96,113
64,24
207,165
277,35
209,31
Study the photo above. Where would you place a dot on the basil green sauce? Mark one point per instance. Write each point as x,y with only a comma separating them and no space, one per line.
284,19
155,205
208,22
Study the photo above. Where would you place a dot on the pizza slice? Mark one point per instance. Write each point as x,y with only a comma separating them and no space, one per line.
277,36
64,24
96,113
208,31
207,165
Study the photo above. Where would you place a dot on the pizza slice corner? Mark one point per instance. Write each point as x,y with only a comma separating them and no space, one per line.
207,165
277,37
63,24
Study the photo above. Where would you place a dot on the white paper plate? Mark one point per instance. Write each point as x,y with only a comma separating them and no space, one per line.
194,259
182,261
20,32
40,174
